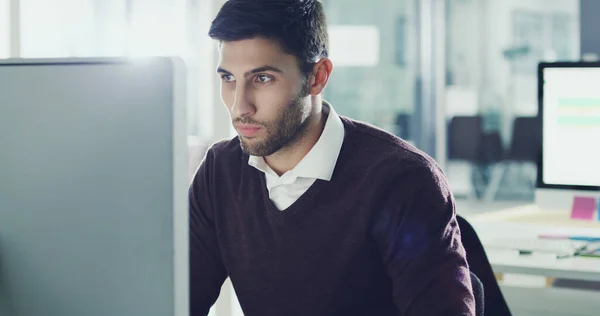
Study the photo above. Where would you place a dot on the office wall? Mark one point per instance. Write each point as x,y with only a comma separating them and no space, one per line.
479,32
483,80
50,28
589,23
465,33
376,94
500,34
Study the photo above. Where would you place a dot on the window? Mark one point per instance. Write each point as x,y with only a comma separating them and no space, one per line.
527,41
563,26
374,75
62,28
542,36
492,55
157,28
104,28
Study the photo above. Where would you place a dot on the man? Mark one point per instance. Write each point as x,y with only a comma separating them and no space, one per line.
308,212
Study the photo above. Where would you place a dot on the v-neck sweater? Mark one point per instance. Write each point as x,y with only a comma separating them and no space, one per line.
379,238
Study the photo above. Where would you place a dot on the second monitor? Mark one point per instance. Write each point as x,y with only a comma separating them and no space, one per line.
569,109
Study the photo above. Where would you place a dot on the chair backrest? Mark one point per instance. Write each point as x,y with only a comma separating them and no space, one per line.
495,304
464,138
491,149
403,128
479,294
526,139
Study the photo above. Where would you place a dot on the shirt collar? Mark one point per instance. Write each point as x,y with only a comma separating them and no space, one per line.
320,161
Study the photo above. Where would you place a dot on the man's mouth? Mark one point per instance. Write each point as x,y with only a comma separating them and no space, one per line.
248,130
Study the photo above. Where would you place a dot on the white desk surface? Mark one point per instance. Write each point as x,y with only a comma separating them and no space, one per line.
528,222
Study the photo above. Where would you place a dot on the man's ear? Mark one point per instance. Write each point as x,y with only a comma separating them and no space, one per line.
320,76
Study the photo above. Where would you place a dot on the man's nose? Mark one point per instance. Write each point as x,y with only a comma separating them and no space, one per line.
242,103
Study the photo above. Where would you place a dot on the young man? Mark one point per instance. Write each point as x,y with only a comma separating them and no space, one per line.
308,212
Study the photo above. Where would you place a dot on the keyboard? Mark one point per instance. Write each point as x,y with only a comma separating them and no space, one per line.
562,247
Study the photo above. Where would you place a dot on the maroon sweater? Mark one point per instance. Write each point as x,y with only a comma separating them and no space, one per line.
381,238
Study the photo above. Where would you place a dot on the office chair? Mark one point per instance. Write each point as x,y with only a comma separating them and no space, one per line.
494,302
478,293
491,150
403,126
464,138
526,140
464,150
525,145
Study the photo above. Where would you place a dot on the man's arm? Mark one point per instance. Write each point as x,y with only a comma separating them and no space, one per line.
419,241
207,272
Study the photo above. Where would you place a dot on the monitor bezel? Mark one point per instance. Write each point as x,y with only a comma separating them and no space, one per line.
540,174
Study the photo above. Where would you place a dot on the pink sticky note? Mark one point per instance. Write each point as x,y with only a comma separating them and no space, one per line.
583,208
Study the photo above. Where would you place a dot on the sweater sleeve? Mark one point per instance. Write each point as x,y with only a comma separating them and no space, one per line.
207,271
419,241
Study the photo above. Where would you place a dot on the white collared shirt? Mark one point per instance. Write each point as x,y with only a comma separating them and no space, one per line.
318,163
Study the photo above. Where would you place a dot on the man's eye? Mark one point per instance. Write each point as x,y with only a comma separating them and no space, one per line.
227,78
263,79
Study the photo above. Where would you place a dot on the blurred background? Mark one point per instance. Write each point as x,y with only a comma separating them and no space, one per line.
457,78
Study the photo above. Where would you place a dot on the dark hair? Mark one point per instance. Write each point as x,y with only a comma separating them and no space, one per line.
299,26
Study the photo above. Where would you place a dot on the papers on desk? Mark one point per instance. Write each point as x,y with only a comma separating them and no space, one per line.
559,247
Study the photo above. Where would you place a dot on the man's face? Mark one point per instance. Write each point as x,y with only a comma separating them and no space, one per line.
266,95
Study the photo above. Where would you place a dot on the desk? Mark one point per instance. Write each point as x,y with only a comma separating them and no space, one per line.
528,222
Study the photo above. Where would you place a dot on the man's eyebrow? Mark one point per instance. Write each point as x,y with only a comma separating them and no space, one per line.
221,70
262,69
253,71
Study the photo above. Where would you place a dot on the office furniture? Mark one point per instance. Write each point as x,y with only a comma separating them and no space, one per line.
479,294
543,297
529,221
93,188
403,126
492,154
491,150
526,140
480,266
464,153
464,138
567,166
525,145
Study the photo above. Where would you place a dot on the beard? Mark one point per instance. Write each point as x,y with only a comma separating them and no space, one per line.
290,125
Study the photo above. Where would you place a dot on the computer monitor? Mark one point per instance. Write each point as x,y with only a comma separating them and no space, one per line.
569,108
93,188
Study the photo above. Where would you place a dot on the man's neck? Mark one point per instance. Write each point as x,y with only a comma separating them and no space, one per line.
287,158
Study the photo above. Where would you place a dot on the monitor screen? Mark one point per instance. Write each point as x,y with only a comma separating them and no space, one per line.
571,126
93,187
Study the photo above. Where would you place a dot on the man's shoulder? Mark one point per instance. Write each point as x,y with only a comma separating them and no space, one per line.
382,147
390,160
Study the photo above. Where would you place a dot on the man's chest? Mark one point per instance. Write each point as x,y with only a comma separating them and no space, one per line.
256,234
